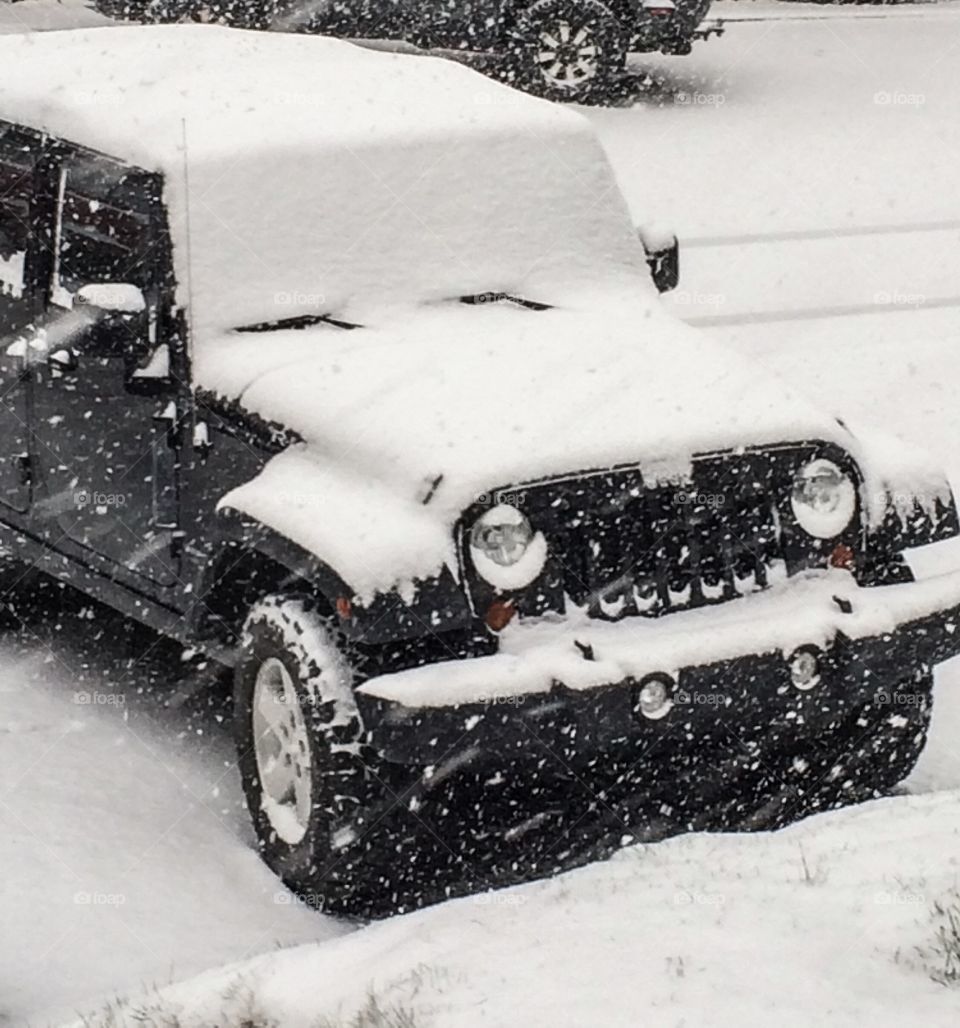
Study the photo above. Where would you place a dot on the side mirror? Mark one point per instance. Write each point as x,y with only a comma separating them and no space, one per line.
111,298
663,257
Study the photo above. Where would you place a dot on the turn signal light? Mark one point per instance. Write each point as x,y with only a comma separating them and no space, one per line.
500,614
843,557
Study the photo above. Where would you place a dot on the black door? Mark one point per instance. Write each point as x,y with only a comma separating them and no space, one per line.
464,25
104,402
18,156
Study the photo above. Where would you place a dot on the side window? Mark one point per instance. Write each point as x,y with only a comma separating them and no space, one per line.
105,229
18,155
110,229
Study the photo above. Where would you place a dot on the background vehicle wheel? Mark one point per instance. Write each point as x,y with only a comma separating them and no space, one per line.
567,50
305,771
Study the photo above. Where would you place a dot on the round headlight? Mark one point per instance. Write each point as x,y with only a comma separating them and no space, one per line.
505,549
824,499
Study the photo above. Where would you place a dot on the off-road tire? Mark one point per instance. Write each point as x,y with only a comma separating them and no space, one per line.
326,865
546,22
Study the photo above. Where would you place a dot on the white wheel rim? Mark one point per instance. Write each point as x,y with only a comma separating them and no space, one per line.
282,748
568,57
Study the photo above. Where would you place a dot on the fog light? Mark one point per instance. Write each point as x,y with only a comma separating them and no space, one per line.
805,669
654,697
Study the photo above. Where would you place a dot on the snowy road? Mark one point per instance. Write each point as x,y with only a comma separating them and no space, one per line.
124,849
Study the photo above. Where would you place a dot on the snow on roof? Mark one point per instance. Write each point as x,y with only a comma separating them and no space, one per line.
125,90
324,177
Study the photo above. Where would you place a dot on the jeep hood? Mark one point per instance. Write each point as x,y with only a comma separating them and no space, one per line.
407,422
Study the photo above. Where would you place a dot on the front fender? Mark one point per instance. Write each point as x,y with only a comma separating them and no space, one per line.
431,606
910,521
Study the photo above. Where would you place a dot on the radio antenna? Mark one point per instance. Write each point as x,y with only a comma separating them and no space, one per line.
186,187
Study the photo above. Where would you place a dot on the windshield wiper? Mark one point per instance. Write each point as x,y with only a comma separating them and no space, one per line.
300,322
479,299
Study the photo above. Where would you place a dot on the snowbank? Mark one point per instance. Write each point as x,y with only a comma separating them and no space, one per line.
123,837
818,924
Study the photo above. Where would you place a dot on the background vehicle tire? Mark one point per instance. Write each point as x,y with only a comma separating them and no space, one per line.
567,50
305,772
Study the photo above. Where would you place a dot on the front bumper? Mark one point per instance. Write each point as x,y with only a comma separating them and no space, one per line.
570,687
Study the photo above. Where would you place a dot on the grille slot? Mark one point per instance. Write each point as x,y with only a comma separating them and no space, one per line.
622,548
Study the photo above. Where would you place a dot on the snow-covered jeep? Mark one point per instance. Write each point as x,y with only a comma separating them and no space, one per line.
349,371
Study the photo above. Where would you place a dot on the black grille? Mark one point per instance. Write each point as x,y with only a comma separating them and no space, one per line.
622,547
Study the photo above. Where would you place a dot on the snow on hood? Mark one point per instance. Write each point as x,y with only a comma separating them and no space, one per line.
452,401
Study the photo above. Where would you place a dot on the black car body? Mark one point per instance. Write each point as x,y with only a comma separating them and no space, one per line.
680,602
489,25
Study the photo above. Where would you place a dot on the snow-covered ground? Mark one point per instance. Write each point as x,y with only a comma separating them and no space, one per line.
125,849
820,924
125,852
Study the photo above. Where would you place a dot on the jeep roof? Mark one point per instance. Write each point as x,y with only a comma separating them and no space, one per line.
323,177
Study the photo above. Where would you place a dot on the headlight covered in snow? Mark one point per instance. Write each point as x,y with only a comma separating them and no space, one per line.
824,499
505,549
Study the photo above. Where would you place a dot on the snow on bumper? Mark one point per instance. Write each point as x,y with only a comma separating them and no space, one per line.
819,610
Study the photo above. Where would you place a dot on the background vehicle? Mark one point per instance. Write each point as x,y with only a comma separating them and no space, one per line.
562,49
477,525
